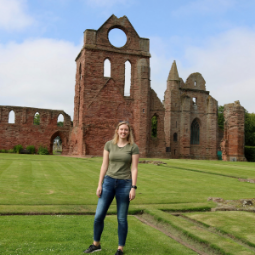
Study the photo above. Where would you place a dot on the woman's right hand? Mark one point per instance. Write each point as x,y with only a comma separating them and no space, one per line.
99,191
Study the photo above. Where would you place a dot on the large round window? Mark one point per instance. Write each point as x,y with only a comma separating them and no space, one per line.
117,37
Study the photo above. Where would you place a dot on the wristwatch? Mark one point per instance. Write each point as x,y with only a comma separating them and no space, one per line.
134,187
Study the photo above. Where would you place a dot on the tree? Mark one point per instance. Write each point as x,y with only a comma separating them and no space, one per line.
37,119
60,124
221,117
249,129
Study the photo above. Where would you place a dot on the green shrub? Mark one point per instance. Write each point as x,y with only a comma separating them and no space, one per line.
3,151
43,151
31,148
18,148
11,151
249,152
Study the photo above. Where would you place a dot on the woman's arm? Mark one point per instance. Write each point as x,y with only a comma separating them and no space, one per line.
134,172
103,170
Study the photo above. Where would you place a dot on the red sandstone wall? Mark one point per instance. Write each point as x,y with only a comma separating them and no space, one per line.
24,132
157,145
180,113
99,102
233,141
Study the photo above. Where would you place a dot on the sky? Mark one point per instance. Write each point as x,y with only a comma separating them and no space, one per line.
39,41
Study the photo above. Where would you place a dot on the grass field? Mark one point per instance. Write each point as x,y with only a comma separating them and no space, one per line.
33,184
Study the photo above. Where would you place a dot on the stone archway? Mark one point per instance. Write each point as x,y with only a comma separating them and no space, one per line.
64,141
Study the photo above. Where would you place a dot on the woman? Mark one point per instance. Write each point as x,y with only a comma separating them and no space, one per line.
119,180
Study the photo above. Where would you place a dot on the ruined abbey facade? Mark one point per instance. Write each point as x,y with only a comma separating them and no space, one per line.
187,119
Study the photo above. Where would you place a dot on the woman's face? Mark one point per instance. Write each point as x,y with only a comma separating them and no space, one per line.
123,131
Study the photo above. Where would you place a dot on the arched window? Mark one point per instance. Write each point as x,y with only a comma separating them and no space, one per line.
127,78
60,122
175,137
37,118
154,126
194,139
80,75
107,68
11,117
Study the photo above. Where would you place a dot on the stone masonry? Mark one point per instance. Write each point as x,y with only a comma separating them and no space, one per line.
186,120
24,132
232,145
184,103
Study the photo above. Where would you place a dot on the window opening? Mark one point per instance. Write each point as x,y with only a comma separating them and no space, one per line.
195,83
175,137
154,126
194,132
107,68
174,152
143,110
127,78
60,122
11,117
37,118
57,146
117,37
80,72
194,100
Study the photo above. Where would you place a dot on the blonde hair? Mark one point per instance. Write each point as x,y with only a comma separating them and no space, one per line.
130,137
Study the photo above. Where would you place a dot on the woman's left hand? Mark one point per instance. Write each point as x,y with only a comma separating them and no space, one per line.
132,194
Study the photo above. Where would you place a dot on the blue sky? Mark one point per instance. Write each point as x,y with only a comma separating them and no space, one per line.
39,41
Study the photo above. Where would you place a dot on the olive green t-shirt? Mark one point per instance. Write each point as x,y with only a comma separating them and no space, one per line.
120,159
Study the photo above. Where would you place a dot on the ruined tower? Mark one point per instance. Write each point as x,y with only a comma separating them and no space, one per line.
99,102
232,144
172,110
191,127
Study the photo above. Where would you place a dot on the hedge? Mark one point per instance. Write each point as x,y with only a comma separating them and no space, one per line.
249,152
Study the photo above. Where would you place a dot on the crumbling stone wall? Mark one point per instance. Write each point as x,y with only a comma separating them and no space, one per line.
157,144
100,102
24,132
184,103
232,144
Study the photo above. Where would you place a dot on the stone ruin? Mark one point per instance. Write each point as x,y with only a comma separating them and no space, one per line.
187,120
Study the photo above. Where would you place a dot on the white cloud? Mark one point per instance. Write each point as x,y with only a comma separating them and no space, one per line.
227,63
13,16
38,73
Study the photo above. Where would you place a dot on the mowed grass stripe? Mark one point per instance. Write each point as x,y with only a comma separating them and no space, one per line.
74,181
221,244
235,169
240,225
72,234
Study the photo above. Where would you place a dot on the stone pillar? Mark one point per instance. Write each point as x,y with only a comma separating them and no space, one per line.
185,127
232,144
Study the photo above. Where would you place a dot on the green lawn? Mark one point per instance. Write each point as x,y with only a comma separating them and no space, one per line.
33,184
73,234
239,224
55,180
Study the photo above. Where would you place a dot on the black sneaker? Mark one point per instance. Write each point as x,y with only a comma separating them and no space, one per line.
119,252
92,248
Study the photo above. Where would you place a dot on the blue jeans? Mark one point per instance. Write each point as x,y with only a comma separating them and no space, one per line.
120,189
